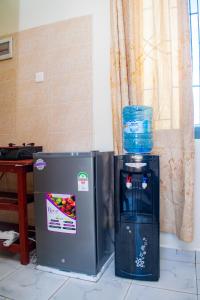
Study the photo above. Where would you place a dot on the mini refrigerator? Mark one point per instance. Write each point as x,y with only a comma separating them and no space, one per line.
74,210
137,232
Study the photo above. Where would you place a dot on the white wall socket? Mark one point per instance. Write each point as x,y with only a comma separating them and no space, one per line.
39,76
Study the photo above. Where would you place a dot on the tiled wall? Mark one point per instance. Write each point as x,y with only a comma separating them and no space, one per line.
56,113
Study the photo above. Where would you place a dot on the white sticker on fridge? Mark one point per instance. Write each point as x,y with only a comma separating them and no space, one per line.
83,184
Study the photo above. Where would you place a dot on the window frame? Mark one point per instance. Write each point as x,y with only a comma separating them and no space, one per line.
197,132
196,126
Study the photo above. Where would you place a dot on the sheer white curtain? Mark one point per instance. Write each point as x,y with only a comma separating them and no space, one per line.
151,65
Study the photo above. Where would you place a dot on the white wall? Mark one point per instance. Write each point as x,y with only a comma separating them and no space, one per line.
9,16
33,13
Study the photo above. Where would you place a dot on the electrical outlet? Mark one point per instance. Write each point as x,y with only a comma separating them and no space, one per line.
39,77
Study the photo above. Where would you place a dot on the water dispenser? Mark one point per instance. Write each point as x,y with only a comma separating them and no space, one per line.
137,217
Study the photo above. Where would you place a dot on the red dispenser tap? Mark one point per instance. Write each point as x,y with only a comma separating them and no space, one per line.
129,182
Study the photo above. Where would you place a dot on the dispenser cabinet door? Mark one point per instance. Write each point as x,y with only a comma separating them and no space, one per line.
137,251
65,212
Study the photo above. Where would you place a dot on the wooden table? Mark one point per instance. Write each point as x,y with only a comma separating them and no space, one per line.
18,202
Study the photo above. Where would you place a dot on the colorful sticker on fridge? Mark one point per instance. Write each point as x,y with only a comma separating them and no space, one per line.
61,212
40,164
83,185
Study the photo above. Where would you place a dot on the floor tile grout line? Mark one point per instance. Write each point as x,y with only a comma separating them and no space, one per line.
55,292
126,294
159,288
10,274
6,297
176,253
181,261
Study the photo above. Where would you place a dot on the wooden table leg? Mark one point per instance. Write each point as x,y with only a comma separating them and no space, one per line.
23,222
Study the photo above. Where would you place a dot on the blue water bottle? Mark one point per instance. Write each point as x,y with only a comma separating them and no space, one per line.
137,129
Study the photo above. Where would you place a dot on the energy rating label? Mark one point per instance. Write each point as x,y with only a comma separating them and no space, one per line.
83,185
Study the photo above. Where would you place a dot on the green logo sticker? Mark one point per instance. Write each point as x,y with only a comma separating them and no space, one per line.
82,175
83,184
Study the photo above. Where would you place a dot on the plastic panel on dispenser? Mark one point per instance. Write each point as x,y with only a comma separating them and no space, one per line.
140,255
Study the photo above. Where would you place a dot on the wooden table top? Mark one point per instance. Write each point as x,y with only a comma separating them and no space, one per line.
25,162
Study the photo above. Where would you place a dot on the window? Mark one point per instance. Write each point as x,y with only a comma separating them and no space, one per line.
195,51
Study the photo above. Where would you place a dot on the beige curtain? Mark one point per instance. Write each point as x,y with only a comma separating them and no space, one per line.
150,65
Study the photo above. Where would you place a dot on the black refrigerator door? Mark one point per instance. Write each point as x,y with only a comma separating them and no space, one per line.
61,175
104,206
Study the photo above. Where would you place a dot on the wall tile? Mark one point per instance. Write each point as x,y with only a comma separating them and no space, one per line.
32,93
74,116
76,32
8,73
33,40
31,63
69,140
32,121
74,87
8,93
70,60
7,120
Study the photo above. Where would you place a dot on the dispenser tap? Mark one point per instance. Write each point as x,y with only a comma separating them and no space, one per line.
129,182
144,182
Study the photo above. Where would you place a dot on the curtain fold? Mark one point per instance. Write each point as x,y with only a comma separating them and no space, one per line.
151,65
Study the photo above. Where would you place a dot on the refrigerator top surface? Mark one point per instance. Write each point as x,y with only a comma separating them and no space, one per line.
64,154
67,154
